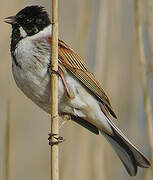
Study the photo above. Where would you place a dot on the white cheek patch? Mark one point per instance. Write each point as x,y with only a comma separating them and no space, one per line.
22,32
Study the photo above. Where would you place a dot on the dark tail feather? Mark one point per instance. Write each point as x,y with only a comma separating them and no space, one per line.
127,152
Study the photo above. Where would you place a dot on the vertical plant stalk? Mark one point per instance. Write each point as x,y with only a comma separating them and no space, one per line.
8,140
54,92
150,28
147,99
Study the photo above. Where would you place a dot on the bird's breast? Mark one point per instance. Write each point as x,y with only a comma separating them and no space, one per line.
32,75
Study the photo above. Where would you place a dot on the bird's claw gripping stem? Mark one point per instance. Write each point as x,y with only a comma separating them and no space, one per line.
58,139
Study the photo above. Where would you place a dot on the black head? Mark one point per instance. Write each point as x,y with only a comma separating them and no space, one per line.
27,22
32,19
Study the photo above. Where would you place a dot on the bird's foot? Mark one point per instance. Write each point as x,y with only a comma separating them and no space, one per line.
58,139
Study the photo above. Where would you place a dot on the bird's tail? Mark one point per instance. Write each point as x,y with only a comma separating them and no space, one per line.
127,152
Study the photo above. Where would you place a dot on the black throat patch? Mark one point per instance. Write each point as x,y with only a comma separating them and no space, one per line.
15,38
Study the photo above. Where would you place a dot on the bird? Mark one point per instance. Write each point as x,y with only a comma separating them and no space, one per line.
80,95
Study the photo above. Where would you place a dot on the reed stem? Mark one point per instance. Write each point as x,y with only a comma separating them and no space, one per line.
54,93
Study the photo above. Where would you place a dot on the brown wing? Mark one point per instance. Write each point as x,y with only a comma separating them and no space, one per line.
76,66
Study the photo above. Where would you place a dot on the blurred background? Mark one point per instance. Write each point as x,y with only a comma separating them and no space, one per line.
104,33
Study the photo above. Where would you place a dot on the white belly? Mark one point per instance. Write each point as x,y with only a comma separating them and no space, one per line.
35,87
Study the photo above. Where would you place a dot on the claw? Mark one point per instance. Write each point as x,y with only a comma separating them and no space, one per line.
52,71
58,139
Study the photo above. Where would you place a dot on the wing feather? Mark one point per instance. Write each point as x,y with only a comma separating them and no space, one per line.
76,66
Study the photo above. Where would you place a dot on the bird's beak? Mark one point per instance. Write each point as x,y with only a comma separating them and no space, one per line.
11,20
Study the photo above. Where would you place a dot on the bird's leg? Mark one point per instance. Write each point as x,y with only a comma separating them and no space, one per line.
70,94
58,139
64,118
60,73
